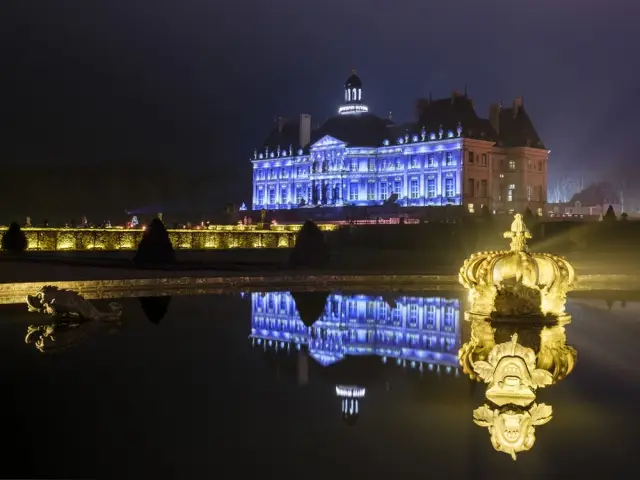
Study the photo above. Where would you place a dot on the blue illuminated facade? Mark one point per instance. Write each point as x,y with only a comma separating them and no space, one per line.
420,170
417,332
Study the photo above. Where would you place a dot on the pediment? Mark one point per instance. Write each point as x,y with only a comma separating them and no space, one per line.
328,142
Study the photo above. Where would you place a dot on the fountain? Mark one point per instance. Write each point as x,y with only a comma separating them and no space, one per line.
517,283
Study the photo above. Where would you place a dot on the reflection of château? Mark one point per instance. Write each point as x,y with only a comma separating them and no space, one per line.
413,330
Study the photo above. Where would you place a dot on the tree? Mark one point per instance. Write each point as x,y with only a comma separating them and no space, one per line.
155,247
610,216
310,250
14,240
528,217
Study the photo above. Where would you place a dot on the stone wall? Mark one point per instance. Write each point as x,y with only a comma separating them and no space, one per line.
217,237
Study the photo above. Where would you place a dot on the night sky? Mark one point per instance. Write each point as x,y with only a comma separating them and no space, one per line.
195,85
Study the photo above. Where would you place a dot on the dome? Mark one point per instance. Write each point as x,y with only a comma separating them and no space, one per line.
516,281
353,81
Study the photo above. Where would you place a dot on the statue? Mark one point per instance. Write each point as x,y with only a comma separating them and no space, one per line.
59,302
517,282
535,357
72,317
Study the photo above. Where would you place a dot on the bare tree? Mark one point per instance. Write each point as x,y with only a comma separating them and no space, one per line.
564,188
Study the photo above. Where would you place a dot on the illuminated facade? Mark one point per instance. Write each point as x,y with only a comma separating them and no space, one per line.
449,156
415,331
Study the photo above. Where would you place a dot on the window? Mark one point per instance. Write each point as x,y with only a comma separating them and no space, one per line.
539,211
529,164
529,189
512,187
502,175
353,191
260,196
512,164
449,189
431,187
283,195
470,207
354,165
431,161
299,194
414,162
272,196
449,159
370,310
372,165
484,159
383,191
371,191
540,165
397,187
483,191
470,156
471,184
415,190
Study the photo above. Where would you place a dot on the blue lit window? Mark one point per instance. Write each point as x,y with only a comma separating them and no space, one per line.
299,194
353,191
383,191
354,165
415,189
431,161
260,196
414,162
272,196
431,188
371,191
450,160
397,187
283,195
449,188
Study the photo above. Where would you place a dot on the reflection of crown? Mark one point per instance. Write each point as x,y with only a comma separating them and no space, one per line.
495,273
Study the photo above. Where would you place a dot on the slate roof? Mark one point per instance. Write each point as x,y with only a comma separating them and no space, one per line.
518,130
364,130
371,130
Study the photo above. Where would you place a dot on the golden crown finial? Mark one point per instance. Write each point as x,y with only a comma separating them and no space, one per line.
519,233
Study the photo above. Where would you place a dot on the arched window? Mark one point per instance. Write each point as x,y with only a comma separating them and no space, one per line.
359,94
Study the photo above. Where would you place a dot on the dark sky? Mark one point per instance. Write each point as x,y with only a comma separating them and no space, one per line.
194,84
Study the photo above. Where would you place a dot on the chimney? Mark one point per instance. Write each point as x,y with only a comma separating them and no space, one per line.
305,129
281,122
494,116
517,106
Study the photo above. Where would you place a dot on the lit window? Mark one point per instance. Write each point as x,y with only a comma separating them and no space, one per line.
449,189
383,191
529,193
540,211
509,195
512,164
372,165
415,190
371,191
449,158
354,165
470,206
512,186
353,191
272,196
397,187
431,161
283,195
502,175
431,188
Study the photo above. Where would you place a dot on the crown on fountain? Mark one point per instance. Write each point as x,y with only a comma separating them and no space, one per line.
517,282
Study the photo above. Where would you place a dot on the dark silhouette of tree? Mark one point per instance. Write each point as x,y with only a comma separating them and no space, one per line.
155,247
528,217
310,249
155,308
610,216
310,305
14,240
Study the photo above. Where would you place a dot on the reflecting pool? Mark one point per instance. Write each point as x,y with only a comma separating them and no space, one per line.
318,385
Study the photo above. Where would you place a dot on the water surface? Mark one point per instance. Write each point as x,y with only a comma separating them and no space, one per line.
224,386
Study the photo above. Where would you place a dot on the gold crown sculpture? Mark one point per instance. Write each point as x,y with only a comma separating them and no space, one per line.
517,282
